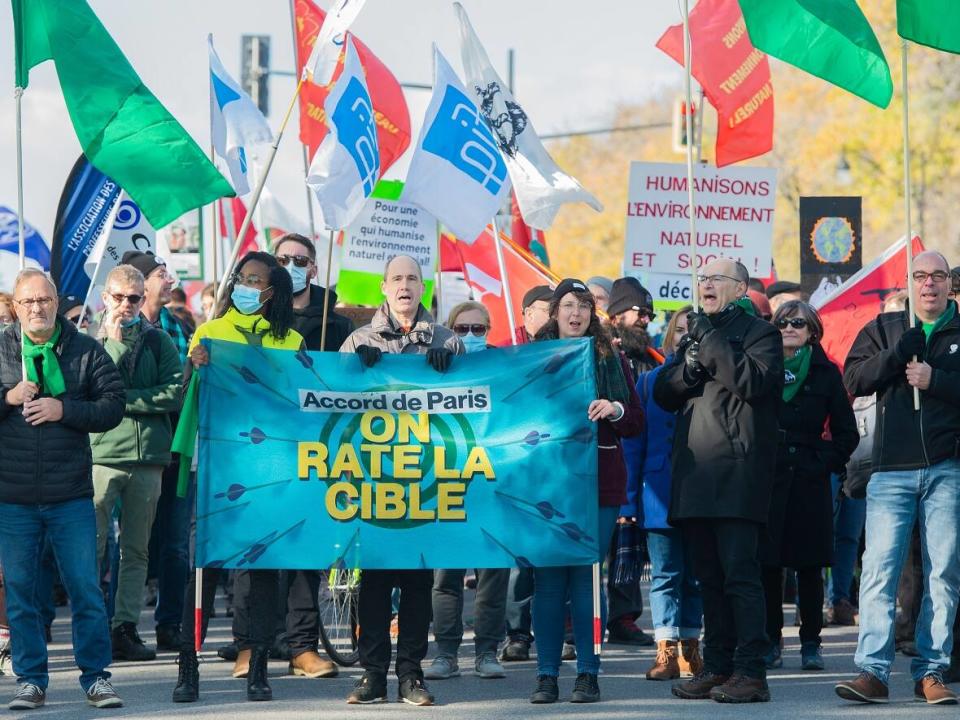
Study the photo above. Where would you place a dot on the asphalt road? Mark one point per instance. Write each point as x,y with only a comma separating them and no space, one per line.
146,689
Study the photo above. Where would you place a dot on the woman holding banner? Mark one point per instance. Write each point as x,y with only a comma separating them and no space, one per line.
257,309
617,410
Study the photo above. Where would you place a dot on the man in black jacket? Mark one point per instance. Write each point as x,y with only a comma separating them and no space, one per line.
915,470
725,381
71,388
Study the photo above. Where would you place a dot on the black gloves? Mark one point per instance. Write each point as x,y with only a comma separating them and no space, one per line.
369,356
439,358
912,342
698,325
692,358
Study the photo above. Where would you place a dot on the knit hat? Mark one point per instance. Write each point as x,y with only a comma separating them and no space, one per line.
145,262
569,285
604,282
628,294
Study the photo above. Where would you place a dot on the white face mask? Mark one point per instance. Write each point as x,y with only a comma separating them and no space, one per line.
298,276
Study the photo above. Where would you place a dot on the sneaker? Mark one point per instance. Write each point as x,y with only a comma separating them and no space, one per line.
443,667
586,689
28,697
102,695
699,686
515,651
168,638
413,691
370,688
866,687
546,691
932,691
811,656
487,666
128,646
625,632
774,657
842,613
741,689
569,651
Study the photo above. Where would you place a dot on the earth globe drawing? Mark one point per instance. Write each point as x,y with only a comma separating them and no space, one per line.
832,240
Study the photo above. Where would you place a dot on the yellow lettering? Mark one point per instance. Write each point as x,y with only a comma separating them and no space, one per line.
440,469
418,425
346,461
311,456
376,459
449,498
416,513
406,461
478,463
366,426
333,493
390,504
366,501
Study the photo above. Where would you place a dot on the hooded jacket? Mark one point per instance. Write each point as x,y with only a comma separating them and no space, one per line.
308,321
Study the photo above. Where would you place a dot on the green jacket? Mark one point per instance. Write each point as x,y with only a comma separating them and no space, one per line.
144,435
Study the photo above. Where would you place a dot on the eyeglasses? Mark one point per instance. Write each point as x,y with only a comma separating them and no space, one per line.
572,306
462,330
40,301
118,298
248,280
648,314
796,323
301,261
938,276
713,279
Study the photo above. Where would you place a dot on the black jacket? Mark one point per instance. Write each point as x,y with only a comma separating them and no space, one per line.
906,439
309,322
800,529
725,444
50,463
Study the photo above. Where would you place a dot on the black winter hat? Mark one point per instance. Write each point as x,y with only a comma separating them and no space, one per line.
782,286
145,262
569,285
537,292
628,294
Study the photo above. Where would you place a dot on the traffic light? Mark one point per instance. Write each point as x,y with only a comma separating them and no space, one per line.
255,69
680,125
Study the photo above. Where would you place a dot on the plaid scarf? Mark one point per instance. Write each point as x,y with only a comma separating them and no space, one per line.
174,328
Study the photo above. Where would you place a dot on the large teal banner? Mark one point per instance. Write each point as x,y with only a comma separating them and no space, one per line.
308,460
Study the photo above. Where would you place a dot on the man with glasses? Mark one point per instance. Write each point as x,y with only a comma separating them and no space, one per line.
725,382
72,388
536,312
916,476
129,460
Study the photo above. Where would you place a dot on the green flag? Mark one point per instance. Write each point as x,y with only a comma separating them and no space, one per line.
930,22
827,38
123,129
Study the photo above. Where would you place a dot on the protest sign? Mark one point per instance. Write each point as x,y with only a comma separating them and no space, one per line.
180,244
734,217
307,461
831,243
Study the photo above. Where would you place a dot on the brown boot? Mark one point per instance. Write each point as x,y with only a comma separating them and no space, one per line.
699,686
741,689
932,691
689,660
311,665
242,664
665,666
866,687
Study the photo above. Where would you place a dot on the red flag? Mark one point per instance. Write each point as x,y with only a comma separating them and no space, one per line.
483,275
389,105
735,77
530,239
860,299
237,211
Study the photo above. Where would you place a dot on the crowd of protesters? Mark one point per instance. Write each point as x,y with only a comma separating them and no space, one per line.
732,454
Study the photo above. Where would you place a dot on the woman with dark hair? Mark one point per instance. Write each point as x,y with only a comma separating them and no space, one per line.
257,309
617,411
800,525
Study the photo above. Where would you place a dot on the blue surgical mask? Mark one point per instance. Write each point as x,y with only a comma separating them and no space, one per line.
130,323
246,299
298,275
472,343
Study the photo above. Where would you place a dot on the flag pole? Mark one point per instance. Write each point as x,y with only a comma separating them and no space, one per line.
597,624
504,283
688,122
911,313
439,273
228,266
326,294
306,156
21,241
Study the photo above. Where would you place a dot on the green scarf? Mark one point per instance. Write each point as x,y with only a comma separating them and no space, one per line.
52,375
747,305
930,328
611,384
796,367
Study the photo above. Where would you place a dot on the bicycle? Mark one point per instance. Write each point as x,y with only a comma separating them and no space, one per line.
339,625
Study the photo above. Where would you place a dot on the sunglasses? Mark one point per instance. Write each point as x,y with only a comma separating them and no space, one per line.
118,298
796,323
478,330
301,261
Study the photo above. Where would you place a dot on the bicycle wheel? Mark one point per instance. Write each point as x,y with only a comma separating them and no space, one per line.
339,628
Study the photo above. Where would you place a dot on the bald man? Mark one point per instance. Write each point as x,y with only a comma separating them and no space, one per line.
916,477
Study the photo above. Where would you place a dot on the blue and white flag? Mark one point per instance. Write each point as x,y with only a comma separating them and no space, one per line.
35,250
541,186
236,123
346,166
126,229
457,173
325,55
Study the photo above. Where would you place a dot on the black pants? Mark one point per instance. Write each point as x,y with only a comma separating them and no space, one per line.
725,561
262,601
519,601
809,603
297,613
376,588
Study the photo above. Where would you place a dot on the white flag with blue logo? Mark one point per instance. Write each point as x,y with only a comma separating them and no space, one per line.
346,166
325,55
457,173
236,123
541,186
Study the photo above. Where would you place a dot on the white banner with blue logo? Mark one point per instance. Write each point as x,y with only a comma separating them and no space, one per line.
236,122
346,166
457,172
129,230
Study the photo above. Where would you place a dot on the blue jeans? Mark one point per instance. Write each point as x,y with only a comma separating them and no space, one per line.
71,529
553,586
675,601
847,528
893,499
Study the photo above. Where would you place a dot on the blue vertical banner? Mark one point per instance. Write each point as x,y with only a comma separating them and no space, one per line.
85,204
307,460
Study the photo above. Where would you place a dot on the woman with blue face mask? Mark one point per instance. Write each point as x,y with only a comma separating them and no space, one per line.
470,321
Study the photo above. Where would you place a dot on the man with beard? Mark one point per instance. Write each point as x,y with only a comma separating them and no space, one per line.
630,311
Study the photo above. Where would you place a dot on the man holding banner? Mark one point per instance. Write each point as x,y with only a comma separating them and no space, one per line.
401,325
